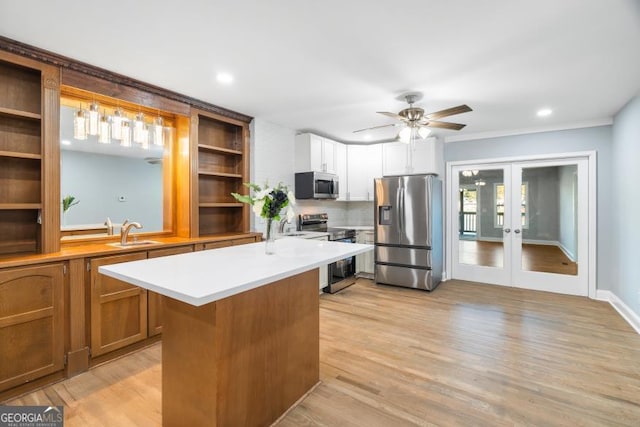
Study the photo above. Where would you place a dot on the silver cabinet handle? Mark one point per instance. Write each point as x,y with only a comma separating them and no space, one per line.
516,231
507,230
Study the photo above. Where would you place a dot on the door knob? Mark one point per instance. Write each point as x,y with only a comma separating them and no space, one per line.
516,231
507,230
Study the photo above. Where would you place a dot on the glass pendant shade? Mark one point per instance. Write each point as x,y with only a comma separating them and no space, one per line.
424,132
94,116
158,131
138,127
104,135
125,134
144,137
80,125
116,124
405,135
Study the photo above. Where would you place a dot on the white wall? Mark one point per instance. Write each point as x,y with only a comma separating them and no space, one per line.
625,234
272,159
98,181
573,140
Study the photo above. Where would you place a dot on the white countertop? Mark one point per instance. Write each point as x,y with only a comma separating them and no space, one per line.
198,278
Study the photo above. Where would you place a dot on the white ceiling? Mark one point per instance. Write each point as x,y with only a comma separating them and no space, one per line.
328,66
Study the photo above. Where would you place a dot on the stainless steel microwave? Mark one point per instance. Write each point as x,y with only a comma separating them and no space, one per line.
316,185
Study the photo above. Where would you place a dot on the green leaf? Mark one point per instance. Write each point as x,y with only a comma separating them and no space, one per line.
242,198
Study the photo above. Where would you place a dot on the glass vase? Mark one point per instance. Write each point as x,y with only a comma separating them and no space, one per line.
270,242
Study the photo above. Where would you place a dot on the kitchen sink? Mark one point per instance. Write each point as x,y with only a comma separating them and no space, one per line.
132,243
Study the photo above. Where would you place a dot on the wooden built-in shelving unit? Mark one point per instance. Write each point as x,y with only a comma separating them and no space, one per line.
222,159
20,158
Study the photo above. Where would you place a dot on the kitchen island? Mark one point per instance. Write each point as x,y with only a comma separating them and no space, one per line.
241,328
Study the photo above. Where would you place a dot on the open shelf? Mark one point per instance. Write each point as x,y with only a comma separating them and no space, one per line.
220,205
19,231
220,163
20,135
217,220
20,90
20,181
214,133
20,155
19,113
219,149
220,174
20,206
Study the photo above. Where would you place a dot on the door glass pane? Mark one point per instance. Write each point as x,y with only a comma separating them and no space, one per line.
548,211
481,215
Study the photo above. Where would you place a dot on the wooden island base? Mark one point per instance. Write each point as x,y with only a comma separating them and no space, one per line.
242,360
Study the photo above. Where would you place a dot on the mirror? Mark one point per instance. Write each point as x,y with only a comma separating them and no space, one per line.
108,180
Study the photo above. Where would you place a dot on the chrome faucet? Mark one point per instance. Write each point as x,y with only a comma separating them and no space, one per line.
125,229
282,224
109,225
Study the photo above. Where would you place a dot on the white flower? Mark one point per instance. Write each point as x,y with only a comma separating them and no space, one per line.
260,195
257,207
291,197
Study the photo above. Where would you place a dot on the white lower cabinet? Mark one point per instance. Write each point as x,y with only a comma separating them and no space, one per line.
365,261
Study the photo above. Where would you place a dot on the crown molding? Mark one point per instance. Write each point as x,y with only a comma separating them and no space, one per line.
552,128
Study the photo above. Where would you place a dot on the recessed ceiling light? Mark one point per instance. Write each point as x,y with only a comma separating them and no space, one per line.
544,112
65,142
366,137
224,78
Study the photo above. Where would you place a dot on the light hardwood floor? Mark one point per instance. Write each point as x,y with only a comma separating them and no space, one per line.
465,354
543,258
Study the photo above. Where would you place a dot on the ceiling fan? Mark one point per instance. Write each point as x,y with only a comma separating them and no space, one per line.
416,123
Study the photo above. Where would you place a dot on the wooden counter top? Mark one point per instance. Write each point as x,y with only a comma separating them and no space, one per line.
73,250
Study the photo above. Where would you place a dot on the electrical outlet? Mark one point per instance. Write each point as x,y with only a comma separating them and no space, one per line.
122,198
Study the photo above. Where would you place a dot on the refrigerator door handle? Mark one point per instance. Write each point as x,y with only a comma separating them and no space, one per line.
401,213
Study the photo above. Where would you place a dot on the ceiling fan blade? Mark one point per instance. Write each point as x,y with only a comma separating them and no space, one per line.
392,115
449,112
443,125
376,127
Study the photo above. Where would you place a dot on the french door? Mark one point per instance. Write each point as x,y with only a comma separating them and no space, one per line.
522,224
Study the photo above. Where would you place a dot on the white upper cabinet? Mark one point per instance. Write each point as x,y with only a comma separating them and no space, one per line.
400,159
315,153
341,167
364,164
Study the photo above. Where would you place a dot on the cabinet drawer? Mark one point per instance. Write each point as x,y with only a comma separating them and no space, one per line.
403,256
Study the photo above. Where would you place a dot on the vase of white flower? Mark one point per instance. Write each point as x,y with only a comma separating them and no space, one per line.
270,241
268,203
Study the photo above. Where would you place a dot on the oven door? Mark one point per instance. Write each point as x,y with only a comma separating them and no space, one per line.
344,268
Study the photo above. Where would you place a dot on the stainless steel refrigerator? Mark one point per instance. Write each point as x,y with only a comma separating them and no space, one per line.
408,231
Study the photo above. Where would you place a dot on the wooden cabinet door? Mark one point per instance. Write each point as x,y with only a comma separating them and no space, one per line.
216,245
118,309
154,300
31,323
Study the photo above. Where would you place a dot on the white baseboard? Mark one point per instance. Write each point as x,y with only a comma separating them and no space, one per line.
623,309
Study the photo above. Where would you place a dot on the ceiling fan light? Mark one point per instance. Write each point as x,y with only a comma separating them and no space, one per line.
424,132
405,135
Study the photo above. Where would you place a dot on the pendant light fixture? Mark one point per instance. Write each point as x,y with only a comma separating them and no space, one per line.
125,131
145,136
138,126
104,134
116,124
158,131
94,118
80,125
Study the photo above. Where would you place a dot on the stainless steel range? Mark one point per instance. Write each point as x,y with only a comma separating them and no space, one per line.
342,272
